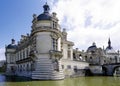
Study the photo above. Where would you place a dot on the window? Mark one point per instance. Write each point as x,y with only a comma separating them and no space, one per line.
91,59
115,59
20,68
54,25
55,44
27,52
69,54
27,68
62,66
32,67
69,67
20,55
23,54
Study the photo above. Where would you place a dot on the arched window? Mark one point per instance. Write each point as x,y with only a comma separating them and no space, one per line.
90,59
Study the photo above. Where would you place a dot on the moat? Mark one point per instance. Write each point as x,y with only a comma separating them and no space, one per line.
81,81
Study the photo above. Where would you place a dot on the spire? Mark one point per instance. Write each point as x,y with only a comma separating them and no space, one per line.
46,8
109,43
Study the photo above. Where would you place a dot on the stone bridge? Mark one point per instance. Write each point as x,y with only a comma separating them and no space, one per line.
109,69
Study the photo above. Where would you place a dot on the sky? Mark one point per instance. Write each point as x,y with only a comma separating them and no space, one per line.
86,21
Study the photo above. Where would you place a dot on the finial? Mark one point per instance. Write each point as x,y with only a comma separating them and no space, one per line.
64,29
46,8
46,2
54,14
13,41
94,44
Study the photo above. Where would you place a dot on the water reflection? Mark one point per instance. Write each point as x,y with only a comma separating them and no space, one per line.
4,78
81,81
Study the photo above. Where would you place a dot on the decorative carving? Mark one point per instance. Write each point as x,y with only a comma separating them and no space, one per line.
54,35
57,54
56,64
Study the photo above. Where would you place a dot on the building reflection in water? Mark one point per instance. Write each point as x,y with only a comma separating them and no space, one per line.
81,81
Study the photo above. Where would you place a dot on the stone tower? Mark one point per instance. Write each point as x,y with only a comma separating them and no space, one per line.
47,34
10,57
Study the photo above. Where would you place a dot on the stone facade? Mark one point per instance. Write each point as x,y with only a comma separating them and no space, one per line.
45,53
111,55
99,56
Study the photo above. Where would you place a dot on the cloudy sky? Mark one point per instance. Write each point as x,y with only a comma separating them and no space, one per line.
86,21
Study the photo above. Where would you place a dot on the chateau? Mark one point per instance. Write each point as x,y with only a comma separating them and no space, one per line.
45,53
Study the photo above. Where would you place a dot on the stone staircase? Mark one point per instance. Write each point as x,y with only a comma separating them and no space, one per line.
45,71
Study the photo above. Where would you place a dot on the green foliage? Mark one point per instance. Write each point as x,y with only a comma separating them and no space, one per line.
2,69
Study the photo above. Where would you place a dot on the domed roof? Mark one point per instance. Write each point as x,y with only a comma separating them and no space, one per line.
45,15
92,48
12,45
109,48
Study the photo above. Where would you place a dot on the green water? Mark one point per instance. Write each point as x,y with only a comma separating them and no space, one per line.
81,81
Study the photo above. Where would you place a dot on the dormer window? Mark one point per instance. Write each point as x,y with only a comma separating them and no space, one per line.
54,25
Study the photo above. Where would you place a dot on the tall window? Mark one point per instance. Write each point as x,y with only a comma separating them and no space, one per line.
55,44
23,54
85,58
69,54
27,67
27,52
20,55
91,59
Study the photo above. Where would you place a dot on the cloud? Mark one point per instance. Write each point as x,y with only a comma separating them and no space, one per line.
89,21
2,54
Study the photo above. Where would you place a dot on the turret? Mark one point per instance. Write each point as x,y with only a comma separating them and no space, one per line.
10,49
47,31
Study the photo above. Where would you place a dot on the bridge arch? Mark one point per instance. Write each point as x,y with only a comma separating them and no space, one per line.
118,66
